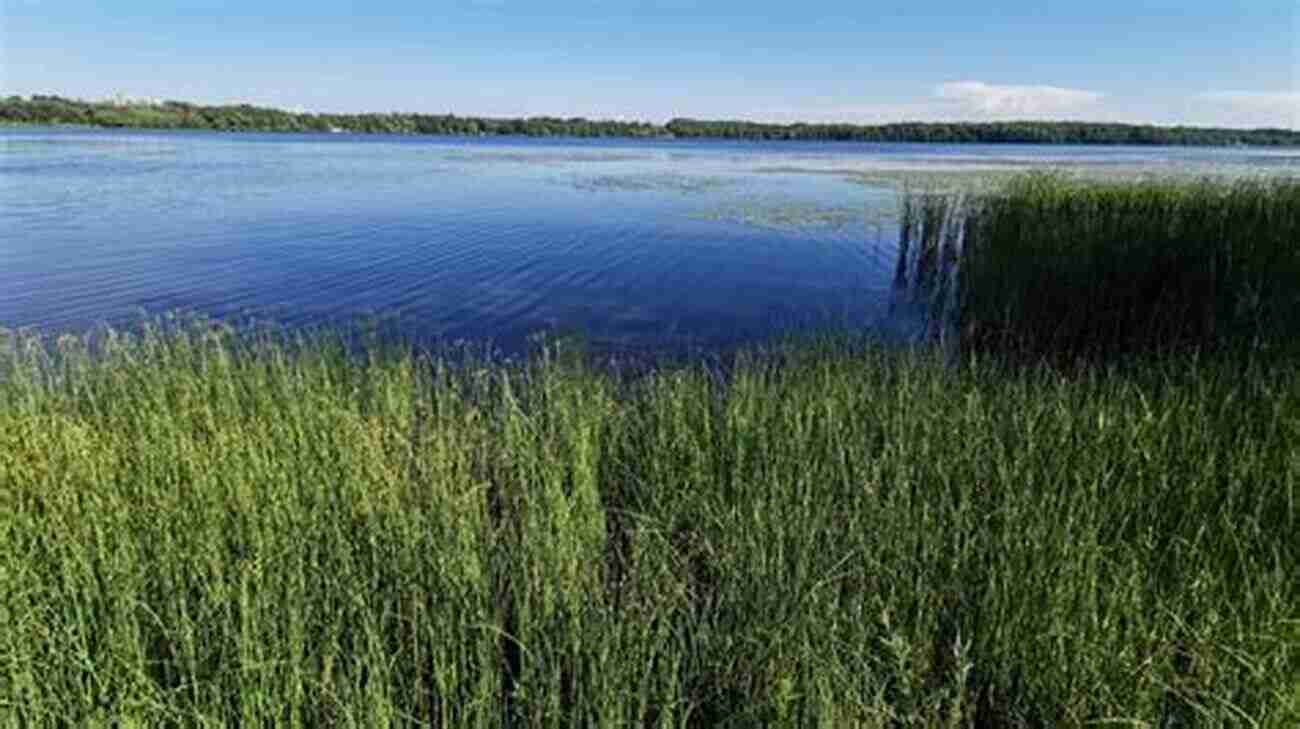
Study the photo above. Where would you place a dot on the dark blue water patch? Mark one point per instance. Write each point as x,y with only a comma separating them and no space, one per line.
635,244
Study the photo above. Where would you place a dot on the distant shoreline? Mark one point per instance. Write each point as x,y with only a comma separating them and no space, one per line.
48,110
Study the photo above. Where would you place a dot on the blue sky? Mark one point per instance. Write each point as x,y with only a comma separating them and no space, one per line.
1220,62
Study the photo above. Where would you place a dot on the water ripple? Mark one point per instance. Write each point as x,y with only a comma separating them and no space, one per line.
461,238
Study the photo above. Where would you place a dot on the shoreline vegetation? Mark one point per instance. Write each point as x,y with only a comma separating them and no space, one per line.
1087,525
1052,266
56,110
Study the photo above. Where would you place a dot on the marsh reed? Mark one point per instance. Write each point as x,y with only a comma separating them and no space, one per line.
1061,269
202,530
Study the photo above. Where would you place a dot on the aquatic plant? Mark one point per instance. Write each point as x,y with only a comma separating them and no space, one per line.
789,214
203,528
650,182
1064,268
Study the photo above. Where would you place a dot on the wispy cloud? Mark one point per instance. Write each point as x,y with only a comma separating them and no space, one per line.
1249,108
884,113
961,101
979,99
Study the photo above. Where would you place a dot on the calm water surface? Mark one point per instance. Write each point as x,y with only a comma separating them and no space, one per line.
659,245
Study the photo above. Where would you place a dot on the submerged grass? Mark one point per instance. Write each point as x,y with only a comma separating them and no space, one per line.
199,530
1074,269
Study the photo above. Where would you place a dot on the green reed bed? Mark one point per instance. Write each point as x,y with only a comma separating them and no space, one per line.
1066,269
201,531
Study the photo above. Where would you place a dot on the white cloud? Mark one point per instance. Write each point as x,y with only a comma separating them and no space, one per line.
961,101
1248,108
858,113
979,99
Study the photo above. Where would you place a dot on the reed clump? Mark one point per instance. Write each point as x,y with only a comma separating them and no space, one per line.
1072,269
202,530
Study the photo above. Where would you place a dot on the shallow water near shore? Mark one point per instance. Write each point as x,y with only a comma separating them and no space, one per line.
637,245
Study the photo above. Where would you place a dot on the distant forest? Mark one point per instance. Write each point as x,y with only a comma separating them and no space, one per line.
57,110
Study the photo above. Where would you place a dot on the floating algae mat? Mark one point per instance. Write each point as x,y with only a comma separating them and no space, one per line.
935,180
989,180
650,182
792,214
545,157
978,177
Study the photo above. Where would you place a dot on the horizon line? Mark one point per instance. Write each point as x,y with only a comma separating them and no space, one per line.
123,100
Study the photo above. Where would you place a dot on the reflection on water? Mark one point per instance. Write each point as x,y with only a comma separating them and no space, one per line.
636,244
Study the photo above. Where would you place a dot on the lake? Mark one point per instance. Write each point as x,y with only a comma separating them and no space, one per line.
636,245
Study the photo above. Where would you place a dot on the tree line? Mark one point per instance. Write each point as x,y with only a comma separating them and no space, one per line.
245,117
56,110
1025,132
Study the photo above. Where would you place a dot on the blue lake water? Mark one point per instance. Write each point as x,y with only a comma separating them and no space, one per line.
634,244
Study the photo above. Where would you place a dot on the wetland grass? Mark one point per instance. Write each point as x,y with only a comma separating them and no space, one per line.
1076,269
199,530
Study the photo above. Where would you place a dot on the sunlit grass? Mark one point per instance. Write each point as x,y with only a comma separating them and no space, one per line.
201,530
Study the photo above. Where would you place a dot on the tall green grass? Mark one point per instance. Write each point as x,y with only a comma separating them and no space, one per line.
1074,269
198,530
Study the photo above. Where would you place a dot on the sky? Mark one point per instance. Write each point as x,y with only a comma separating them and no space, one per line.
1202,62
